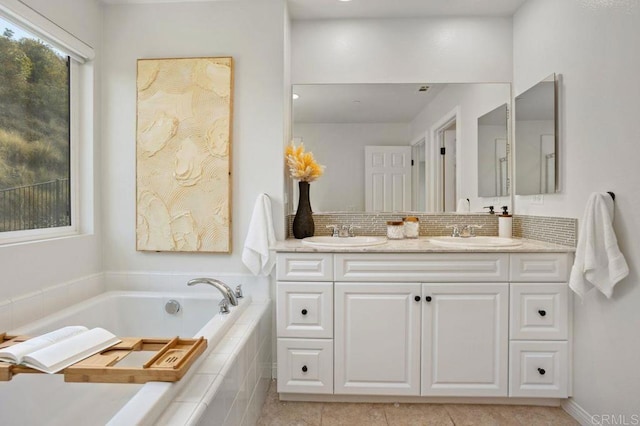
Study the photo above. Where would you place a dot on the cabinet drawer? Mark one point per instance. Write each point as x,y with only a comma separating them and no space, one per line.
538,369
305,365
305,267
534,267
539,311
305,309
430,267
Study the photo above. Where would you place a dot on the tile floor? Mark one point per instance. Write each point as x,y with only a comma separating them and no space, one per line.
287,413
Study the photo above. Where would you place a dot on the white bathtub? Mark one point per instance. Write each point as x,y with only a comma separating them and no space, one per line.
39,399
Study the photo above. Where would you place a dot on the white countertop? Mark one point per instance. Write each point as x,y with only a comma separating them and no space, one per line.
421,245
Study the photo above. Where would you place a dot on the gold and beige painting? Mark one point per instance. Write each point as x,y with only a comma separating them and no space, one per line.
184,109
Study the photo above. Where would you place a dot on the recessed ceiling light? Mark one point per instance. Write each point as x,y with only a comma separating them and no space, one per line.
295,96
344,1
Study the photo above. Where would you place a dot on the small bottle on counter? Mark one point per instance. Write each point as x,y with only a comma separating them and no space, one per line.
505,224
395,230
411,227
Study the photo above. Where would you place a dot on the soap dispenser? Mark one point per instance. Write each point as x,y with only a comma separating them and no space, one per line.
505,222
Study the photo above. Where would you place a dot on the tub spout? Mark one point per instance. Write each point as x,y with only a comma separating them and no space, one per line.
226,291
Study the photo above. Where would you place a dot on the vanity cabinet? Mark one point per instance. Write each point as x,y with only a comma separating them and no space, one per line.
424,324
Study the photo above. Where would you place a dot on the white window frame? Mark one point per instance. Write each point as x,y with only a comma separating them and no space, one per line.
81,87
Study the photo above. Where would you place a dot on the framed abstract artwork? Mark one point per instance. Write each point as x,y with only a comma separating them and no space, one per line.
183,154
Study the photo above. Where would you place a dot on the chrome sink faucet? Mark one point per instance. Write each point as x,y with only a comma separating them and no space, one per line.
228,294
343,231
455,231
464,231
334,230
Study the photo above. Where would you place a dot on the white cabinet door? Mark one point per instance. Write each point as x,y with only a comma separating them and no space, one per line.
465,339
387,178
377,338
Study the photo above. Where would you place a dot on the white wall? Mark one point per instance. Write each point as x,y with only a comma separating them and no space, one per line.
594,46
252,31
340,147
437,50
473,101
29,267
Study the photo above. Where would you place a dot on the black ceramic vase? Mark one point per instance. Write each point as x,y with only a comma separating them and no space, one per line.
303,222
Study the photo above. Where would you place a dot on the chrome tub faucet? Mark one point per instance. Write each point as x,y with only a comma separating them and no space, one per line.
228,294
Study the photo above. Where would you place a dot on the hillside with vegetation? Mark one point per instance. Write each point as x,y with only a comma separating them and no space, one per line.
34,112
34,121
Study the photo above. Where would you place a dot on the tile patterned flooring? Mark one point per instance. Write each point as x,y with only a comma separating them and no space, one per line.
287,413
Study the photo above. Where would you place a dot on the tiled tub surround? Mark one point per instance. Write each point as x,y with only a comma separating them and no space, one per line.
230,384
557,230
30,307
235,373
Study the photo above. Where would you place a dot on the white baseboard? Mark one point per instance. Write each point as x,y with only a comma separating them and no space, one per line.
274,370
577,412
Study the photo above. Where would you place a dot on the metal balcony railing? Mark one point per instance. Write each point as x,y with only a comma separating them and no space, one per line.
37,206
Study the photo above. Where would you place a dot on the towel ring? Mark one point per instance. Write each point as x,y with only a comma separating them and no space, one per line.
612,195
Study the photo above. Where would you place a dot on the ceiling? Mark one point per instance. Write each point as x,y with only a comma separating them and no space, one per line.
361,103
334,9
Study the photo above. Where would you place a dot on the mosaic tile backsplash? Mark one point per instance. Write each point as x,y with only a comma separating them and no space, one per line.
558,230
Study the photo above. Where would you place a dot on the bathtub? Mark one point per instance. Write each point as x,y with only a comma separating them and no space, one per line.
39,399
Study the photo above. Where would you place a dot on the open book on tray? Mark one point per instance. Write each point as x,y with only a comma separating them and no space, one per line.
55,351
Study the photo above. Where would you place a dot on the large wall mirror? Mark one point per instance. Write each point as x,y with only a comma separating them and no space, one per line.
395,147
536,139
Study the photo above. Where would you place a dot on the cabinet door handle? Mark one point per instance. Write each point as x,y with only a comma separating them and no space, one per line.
542,312
304,312
541,371
417,298
427,299
304,368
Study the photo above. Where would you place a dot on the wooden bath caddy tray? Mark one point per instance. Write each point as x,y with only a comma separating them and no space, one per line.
172,360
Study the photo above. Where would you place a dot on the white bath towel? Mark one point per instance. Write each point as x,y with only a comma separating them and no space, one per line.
463,206
599,262
256,255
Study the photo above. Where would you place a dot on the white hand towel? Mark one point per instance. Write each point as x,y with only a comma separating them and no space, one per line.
599,262
256,255
463,206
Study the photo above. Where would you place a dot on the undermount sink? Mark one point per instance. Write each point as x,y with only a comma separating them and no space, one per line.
343,241
475,242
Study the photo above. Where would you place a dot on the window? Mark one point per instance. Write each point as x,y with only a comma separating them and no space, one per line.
35,135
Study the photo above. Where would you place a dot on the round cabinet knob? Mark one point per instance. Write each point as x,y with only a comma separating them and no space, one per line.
427,299
417,298
541,371
304,312
542,312
304,368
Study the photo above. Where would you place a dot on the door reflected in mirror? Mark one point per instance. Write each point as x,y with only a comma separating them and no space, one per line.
493,153
536,139
434,125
